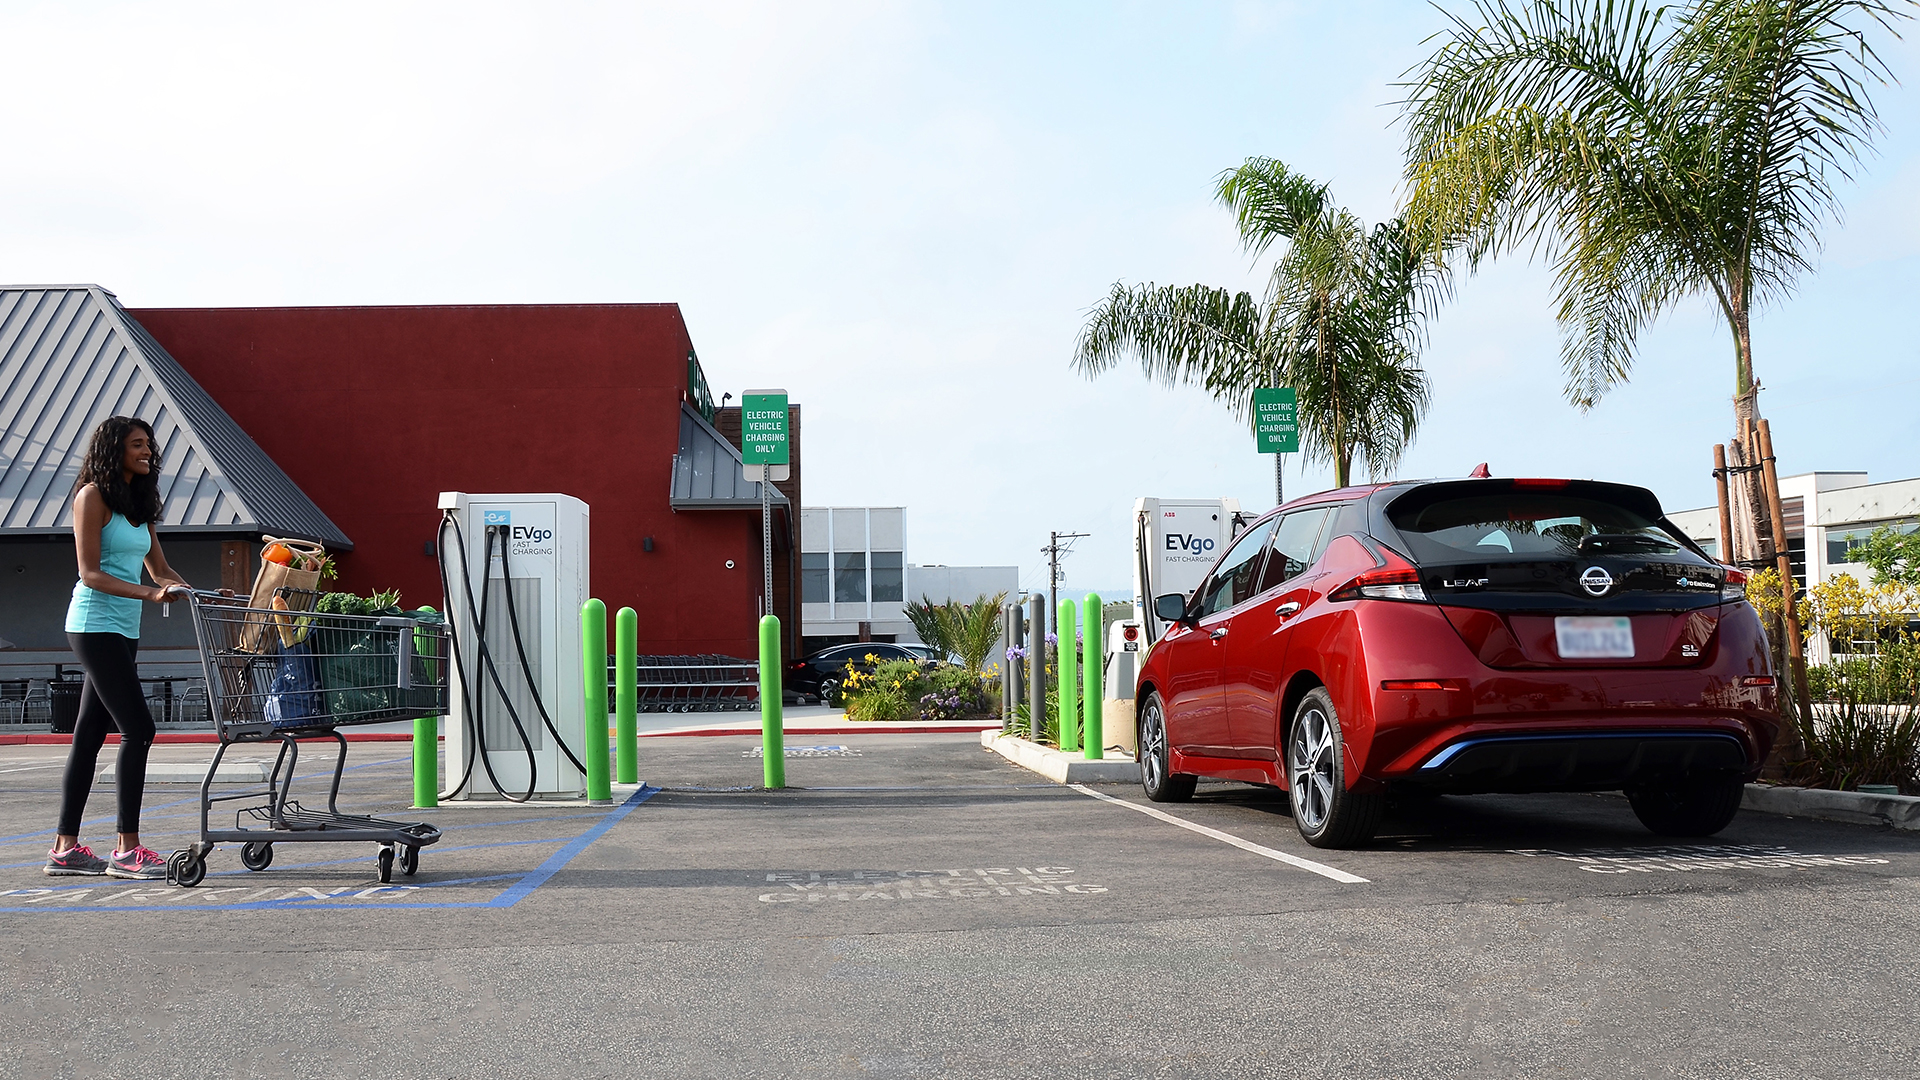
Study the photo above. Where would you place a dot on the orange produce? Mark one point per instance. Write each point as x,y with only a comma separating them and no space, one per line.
277,553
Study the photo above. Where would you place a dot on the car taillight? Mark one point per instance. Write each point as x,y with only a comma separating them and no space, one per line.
1735,586
1397,580
799,665
1539,482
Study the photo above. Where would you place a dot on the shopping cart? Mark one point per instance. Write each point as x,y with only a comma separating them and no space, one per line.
282,673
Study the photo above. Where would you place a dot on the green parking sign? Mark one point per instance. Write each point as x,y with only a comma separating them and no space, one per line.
1276,421
763,427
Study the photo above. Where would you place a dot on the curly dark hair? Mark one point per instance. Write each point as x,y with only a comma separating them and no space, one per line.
105,463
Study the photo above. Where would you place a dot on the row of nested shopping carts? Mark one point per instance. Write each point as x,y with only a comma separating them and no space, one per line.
706,683
277,671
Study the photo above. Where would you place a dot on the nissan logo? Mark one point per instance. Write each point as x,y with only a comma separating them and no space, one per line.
1596,581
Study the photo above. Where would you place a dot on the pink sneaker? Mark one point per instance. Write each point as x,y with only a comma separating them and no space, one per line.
143,863
77,861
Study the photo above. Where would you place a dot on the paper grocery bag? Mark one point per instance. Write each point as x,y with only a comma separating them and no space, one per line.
296,583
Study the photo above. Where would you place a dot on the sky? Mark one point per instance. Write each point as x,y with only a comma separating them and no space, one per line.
902,213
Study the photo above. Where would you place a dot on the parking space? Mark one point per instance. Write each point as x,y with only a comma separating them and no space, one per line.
916,905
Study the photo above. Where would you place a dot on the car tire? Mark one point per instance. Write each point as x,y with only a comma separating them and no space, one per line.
1700,806
830,692
1157,777
1327,812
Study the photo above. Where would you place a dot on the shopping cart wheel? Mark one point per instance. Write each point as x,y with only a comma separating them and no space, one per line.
256,856
186,869
409,860
385,859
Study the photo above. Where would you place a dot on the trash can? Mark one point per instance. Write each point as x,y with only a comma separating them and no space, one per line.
64,696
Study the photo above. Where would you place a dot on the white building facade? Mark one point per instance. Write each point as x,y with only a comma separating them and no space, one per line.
855,581
1827,515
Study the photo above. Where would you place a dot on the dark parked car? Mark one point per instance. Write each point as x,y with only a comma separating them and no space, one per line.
819,674
1488,635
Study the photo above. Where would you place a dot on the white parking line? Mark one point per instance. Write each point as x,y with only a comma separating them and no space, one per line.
1308,865
30,768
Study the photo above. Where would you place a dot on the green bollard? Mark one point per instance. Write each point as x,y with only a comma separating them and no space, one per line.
593,665
1063,628
773,742
626,637
1095,693
426,729
426,761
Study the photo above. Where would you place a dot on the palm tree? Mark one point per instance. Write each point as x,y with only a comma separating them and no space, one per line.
1342,322
1651,153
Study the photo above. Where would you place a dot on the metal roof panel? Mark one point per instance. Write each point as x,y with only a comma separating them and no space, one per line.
71,356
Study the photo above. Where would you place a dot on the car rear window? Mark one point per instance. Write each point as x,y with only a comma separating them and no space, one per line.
1518,525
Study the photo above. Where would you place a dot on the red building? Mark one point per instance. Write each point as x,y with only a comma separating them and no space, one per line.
373,411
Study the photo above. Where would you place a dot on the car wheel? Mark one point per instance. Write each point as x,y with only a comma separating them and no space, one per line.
830,692
1695,807
1327,813
1156,776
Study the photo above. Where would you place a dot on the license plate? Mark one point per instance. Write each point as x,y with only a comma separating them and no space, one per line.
1129,646
1582,637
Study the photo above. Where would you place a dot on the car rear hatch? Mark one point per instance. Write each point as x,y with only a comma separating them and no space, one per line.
1561,574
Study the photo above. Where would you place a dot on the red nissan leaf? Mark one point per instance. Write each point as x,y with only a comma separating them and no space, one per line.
1461,637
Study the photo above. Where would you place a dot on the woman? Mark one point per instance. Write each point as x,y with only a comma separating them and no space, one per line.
115,506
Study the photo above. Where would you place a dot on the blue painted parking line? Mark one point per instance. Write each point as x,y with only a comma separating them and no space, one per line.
377,897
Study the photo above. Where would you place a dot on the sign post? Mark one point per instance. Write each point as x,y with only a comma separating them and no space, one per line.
765,457
1276,428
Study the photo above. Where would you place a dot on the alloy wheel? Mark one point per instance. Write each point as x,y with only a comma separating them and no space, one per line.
1310,767
1153,745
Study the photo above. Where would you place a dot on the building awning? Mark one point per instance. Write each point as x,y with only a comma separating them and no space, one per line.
706,471
71,356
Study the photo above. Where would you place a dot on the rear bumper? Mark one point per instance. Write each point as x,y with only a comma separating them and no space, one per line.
1591,761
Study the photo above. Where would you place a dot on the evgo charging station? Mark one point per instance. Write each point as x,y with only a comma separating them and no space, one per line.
515,569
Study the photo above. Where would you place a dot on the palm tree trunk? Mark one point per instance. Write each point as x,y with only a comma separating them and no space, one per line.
1752,523
1342,453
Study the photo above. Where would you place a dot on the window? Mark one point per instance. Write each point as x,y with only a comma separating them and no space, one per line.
1521,525
1296,543
1233,582
849,577
814,581
889,576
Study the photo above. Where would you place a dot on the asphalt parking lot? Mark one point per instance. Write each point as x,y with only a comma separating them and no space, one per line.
916,906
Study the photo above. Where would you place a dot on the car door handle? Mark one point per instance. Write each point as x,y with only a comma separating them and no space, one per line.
1218,633
1287,609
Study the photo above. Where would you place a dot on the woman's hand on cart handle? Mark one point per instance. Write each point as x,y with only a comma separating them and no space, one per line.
166,594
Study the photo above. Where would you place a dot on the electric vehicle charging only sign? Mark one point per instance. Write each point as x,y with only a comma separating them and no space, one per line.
1276,420
763,427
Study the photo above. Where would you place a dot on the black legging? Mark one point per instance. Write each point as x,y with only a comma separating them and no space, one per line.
110,699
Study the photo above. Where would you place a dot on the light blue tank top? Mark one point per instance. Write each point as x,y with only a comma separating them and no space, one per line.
123,549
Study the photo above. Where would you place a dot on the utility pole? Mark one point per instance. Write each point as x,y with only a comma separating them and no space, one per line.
1053,551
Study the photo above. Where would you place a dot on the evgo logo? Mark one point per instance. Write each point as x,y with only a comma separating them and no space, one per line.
1191,543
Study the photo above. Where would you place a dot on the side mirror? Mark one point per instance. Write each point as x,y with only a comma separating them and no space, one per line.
1170,608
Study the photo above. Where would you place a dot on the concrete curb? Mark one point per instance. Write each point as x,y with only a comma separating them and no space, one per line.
1820,804
1061,768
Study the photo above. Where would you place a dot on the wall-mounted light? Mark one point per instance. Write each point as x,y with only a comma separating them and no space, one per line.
726,397
646,543
429,548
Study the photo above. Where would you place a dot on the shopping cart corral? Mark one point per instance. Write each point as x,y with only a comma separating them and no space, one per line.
706,683
283,673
